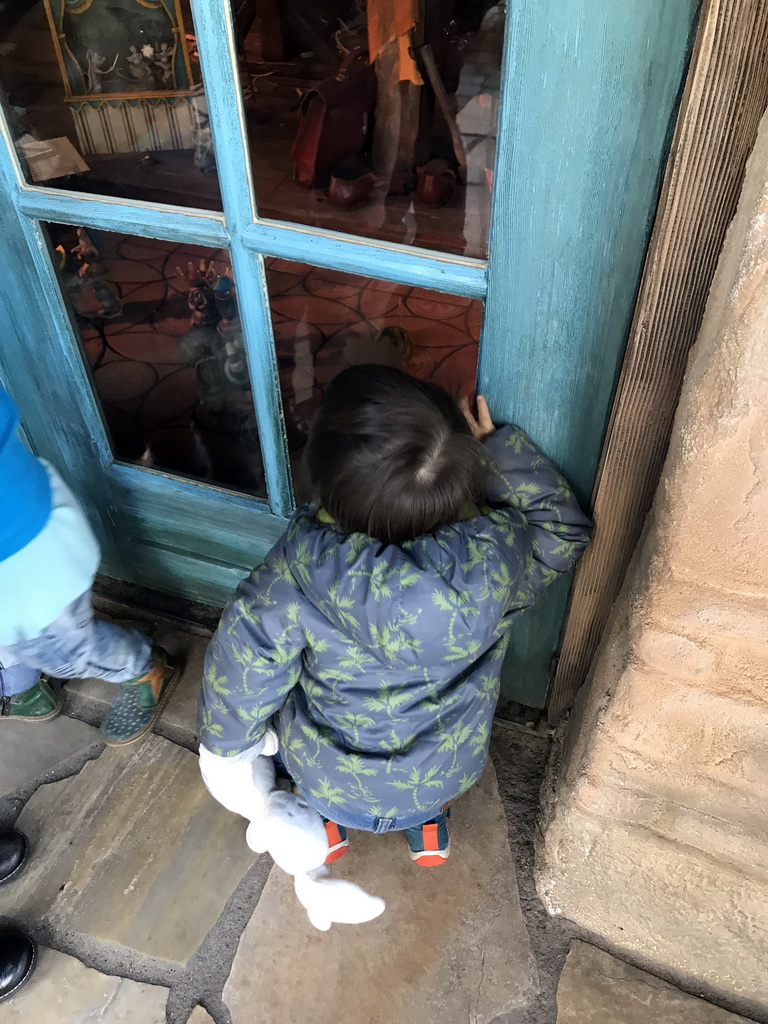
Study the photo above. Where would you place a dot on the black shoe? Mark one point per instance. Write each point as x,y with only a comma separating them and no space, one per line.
18,956
13,853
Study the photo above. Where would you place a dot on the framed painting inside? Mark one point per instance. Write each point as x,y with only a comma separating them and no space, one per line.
120,49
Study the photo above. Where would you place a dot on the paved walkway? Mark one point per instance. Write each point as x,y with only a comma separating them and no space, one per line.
149,907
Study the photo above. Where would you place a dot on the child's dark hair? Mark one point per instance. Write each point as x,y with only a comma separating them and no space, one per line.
392,456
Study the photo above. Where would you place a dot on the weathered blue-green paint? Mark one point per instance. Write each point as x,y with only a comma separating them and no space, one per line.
218,60
399,263
589,97
194,577
174,223
190,538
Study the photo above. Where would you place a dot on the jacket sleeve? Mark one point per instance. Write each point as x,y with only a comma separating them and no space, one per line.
254,659
525,481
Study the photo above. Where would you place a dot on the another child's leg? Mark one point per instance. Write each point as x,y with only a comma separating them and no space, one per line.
141,699
430,843
24,696
79,645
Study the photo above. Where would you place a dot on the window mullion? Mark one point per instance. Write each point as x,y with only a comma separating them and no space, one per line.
174,223
399,263
218,59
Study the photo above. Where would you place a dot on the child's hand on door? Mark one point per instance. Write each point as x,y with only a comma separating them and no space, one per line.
481,424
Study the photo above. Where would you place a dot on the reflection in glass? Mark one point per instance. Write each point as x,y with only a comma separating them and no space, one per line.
375,117
105,96
326,320
161,334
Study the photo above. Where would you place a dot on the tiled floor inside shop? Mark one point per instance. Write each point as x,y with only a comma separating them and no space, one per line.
171,375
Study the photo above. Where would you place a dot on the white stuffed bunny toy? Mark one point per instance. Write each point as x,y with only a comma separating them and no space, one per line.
284,825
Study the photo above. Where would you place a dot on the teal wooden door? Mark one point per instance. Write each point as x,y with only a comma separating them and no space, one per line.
192,249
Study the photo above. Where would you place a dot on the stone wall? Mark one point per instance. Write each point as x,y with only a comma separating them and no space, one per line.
655,832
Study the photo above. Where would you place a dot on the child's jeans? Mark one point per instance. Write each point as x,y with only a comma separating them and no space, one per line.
76,645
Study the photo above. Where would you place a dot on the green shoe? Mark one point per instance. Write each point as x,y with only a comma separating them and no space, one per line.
139,702
37,704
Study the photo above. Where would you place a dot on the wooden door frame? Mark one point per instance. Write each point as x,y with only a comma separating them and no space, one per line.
725,96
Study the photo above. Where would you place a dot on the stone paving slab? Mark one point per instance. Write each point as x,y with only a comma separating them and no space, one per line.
597,988
181,710
200,1016
64,991
30,749
450,948
132,850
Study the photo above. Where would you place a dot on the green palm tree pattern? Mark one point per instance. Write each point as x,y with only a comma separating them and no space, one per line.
383,662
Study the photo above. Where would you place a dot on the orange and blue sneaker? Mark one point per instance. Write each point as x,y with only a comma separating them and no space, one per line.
430,843
338,844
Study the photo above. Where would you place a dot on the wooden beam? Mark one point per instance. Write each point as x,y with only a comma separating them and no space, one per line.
725,96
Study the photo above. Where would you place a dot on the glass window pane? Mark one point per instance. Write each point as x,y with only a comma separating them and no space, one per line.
326,320
356,129
160,332
105,96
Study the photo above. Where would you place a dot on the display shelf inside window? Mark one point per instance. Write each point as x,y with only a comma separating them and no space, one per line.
127,75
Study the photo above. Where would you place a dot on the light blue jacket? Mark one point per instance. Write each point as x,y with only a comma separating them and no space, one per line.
25,492
48,553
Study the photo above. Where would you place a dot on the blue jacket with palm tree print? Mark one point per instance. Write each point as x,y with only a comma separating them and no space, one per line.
383,661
